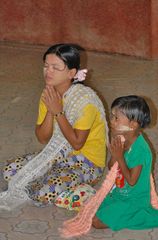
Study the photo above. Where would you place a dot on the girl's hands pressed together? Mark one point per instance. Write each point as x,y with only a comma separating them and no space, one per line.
117,148
52,100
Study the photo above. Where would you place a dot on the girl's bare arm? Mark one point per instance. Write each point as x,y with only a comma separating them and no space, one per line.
117,152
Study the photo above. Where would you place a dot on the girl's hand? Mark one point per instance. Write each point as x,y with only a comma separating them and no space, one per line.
52,100
117,148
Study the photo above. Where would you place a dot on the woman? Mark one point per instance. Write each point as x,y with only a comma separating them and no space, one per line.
72,124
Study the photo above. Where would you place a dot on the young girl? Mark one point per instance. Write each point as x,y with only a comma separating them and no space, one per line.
128,204
72,124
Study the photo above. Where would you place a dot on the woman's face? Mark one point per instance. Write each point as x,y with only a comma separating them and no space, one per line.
55,71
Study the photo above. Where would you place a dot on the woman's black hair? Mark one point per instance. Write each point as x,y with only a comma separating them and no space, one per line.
134,108
68,53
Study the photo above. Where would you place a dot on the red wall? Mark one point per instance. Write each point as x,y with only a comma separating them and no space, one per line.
154,29
117,26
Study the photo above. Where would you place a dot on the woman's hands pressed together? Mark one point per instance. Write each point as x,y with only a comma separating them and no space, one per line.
52,100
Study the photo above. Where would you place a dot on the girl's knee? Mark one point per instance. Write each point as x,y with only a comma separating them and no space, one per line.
96,223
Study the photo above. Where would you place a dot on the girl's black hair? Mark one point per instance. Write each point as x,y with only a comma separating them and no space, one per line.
68,53
134,108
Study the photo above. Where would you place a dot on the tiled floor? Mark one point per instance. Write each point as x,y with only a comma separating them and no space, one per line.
21,83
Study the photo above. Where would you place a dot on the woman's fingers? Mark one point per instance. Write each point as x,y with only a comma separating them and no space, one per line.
52,99
52,93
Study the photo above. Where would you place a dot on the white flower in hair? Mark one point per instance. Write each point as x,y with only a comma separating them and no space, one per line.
80,75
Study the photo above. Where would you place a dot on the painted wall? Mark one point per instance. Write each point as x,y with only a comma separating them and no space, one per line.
115,26
154,29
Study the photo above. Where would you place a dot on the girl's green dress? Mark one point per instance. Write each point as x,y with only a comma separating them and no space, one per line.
130,207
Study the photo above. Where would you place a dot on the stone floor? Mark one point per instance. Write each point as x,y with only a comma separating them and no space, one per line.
21,83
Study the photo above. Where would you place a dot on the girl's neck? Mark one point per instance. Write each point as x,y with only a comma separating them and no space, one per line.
130,139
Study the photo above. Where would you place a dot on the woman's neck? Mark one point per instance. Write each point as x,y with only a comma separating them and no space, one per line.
61,89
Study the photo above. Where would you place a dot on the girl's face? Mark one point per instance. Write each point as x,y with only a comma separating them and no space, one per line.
56,73
119,122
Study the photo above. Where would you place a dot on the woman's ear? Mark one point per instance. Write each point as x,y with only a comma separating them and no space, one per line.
72,73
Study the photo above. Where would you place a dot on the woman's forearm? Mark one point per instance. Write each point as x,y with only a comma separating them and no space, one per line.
75,137
45,130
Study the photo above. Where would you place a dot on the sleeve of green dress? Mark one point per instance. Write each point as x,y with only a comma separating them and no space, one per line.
140,154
